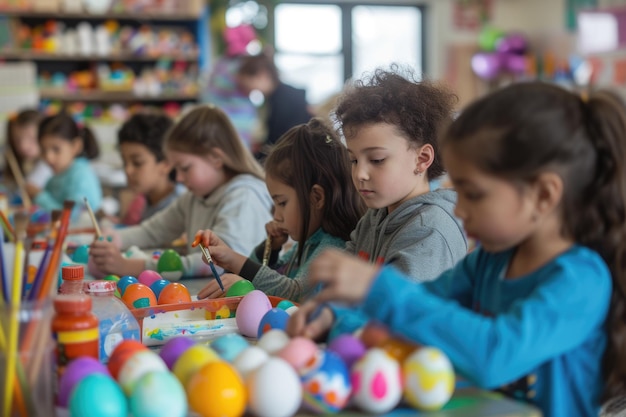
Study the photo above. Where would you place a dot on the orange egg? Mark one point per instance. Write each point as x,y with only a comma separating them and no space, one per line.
122,353
217,390
398,349
174,293
138,295
374,335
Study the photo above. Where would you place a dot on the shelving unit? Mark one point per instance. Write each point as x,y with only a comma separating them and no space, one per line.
111,96
127,57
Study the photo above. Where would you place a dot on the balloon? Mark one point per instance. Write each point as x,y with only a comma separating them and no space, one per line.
486,65
488,38
513,43
516,64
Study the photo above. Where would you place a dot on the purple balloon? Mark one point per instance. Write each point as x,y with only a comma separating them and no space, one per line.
514,43
173,348
486,65
78,369
516,64
348,347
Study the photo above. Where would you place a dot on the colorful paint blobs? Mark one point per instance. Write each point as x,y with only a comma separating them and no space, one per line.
376,382
74,373
158,285
240,288
191,361
275,318
98,395
175,293
147,277
173,348
217,390
158,394
229,346
327,388
124,282
274,389
137,366
138,296
428,379
170,266
222,313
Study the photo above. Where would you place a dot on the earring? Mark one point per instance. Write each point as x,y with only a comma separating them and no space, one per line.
417,172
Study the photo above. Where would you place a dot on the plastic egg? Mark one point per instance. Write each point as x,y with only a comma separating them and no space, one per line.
170,266
275,318
376,382
158,285
250,359
273,341
158,394
298,352
124,282
217,390
175,293
137,366
327,388
147,277
274,389
97,395
173,348
81,254
138,296
348,347
398,349
229,346
191,361
428,379
122,353
374,335
240,288
78,369
250,312
285,304
223,313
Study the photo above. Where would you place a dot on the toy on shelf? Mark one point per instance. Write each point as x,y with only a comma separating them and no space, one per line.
501,53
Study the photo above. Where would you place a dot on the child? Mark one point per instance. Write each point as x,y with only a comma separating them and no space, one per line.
22,142
67,148
226,193
140,141
308,177
541,185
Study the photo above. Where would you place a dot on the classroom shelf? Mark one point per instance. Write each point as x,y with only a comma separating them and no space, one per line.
43,56
139,16
111,96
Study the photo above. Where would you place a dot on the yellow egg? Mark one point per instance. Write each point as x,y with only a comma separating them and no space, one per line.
428,379
217,390
191,361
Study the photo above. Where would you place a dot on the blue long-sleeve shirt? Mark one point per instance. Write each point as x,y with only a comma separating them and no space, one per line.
75,183
543,333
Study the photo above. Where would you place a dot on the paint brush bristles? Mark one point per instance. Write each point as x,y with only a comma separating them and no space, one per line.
93,219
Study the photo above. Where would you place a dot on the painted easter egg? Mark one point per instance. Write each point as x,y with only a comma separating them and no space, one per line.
229,346
250,311
158,394
81,254
374,335
274,389
124,282
97,395
273,340
173,348
327,388
398,348
122,352
250,359
147,277
138,296
217,390
240,288
285,304
275,318
349,348
299,352
376,382
170,266
192,360
428,379
158,285
175,293
78,369
137,366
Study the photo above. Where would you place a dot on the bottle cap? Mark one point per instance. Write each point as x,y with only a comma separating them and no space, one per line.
100,286
72,303
73,272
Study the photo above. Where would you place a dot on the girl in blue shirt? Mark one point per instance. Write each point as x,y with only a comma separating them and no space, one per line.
539,307
67,148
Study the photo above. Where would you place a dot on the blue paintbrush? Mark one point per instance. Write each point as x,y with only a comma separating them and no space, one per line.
207,255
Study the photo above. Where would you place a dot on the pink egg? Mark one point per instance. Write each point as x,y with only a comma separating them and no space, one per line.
250,311
298,352
75,372
147,277
348,347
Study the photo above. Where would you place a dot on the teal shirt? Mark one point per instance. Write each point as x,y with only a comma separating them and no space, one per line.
75,183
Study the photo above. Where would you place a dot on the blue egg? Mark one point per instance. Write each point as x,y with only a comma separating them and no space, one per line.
158,394
285,304
81,254
98,395
229,346
124,282
158,285
326,388
275,318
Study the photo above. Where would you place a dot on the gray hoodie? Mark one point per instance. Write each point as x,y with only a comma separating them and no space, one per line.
421,237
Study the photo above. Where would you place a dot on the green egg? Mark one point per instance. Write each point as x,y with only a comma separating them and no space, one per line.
240,288
170,266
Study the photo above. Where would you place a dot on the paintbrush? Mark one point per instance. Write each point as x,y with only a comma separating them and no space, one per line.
56,215
19,178
6,225
93,219
267,251
207,255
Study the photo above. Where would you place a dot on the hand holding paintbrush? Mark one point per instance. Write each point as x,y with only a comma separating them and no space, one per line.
207,255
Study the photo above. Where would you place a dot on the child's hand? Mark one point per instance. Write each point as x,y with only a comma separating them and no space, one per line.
108,233
343,277
298,324
220,252
106,256
213,290
278,234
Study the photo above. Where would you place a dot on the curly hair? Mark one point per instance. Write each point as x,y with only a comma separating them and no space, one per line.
418,109
148,130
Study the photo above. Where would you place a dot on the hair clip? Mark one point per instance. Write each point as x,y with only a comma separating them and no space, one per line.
329,139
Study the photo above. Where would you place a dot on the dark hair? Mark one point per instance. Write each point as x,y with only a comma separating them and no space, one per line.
148,130
26,117
526,129
64,126
417,109
206,128
310,154
252,65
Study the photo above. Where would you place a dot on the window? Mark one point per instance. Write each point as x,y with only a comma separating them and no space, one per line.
319,46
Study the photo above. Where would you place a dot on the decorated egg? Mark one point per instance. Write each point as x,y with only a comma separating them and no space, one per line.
170,266
398,348
191,361
122,353
326,389
250,311
240,288
137,366
273,341
158,394
124,282
428,379
250,359
175,293
97,395
229,346
217,390
374,335
78,369
224,312
173,348
81,254
274,389
299,352
376,382
138,296
285,304
348,347
147,277
158,285
275,318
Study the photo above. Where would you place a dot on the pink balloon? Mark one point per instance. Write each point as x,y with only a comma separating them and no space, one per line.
514,43
487,65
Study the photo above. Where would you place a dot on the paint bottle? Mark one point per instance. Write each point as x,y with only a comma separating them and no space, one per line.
116,322
73,277
75,329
